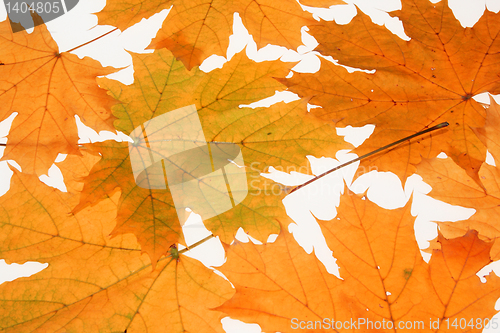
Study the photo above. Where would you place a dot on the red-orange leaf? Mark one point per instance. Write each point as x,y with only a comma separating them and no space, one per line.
417,84
489,135
385,280
450,184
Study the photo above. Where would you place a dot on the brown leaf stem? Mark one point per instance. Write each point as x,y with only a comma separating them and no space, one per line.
371,153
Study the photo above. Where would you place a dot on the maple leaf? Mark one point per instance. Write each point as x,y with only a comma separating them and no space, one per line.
382,271
65,86
194,30
417,84
93,237
266,136
489,133
450,184
125,13
144,212
94,283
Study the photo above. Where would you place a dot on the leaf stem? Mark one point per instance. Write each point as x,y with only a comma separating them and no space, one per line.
442,125
196,244
107,33
175,254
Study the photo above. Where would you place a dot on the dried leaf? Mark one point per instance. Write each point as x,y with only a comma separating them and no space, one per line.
489,133
199,29
417,84
281,135
94,283
450,184
65,86
281,288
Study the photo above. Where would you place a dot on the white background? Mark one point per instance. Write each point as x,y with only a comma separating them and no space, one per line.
318,199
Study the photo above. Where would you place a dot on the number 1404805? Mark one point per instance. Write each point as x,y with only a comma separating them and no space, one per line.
26,14
38,7
478,323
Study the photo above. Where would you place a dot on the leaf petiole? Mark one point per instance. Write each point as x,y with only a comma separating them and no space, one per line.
93,40
175,253
442,125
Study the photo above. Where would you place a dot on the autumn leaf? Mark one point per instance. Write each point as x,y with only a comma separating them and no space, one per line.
382,272
125,13
111,240
94,283
159,79
272,22
194,30
489,133
450,184
379,258
266,136
417,84
75,167
65,86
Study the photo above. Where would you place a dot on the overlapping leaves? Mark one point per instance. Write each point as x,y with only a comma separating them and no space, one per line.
94,236
197,29
280,135
417,84
385,279
94,282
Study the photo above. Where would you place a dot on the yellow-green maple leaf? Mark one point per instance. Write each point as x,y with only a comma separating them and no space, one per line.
281,135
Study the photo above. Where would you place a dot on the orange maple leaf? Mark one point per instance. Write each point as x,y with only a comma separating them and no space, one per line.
195,30
489,135
268,21
417,84
450,184
125,13
281,288
47,89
